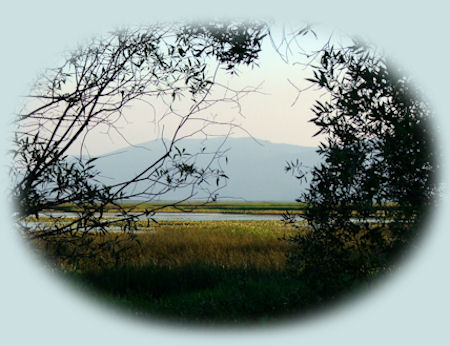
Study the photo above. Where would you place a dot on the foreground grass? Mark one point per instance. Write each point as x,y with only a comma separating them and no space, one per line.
226,244
201,293
214,271
193,271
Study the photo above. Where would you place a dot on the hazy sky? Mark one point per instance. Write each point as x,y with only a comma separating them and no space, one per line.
268,114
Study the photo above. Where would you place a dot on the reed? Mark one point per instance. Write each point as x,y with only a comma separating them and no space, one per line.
192,271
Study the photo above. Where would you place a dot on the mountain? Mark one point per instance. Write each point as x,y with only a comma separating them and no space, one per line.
256,168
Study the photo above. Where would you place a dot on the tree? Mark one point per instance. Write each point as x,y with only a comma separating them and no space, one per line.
368,197
91,89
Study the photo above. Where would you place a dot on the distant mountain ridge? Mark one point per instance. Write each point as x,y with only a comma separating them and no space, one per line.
256,168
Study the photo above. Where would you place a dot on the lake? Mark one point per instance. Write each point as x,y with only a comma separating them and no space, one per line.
180,216
184,216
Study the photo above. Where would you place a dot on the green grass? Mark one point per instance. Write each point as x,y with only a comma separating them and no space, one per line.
213,207
201,293
192,271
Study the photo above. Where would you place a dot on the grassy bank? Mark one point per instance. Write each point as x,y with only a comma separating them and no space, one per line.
213,207
204,271
193,271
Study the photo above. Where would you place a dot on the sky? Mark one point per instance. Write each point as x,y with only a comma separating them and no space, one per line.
410,307
276,112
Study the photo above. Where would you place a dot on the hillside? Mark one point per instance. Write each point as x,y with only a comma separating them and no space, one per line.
255,169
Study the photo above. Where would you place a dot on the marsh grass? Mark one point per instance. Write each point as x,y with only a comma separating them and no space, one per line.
204,271
193,271
225,244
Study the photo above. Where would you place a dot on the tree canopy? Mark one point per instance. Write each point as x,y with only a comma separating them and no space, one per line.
376,181
92,88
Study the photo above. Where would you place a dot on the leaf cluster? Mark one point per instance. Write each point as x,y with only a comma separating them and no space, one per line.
91,89
378,169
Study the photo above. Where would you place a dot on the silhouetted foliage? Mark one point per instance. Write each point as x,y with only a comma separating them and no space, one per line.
376,180
92,88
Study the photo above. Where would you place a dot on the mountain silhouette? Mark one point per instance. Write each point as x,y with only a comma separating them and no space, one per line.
256,168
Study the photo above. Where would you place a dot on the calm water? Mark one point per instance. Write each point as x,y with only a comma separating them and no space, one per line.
164,217
213,217
185,216
177,217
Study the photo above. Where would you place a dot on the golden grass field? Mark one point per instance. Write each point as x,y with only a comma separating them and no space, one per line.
195,271
226,244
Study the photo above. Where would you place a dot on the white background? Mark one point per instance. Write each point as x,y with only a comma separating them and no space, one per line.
410,308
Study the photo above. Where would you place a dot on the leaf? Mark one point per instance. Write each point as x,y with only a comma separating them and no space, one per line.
91,160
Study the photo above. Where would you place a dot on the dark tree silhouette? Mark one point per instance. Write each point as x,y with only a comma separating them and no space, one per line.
92,88
376,181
